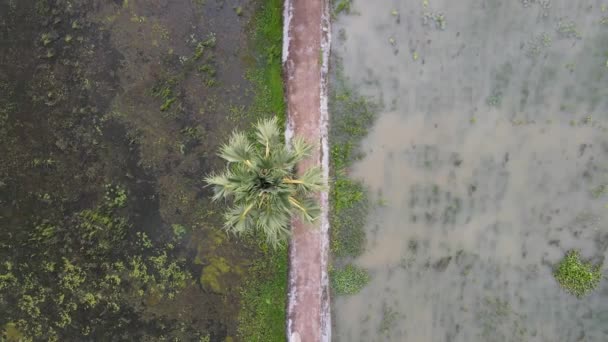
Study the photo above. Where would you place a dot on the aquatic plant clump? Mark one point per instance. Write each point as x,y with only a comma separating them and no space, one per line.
349,280
577,277
260,182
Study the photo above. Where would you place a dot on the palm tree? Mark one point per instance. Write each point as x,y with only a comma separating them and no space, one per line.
260,182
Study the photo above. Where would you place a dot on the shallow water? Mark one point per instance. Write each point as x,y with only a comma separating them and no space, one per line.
488,158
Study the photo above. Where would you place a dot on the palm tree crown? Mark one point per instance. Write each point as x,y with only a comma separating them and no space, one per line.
260,182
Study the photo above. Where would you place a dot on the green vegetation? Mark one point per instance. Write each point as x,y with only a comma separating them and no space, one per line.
267,74
262,316
576,276
78,262
599,191
568,30
167,87
104,192
164,90
115,196
349,207
260,181
348,280
82,266
199,51
342,6
389,318
263,296
501,82
351,116
178,231
499,322
494,100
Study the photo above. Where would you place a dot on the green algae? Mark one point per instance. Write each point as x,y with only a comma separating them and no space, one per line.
212,274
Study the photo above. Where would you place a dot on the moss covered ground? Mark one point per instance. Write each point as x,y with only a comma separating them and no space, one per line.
110,116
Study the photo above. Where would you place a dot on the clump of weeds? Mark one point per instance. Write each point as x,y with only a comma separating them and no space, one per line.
567,29
342,6
349,280
438,19
165,91
577,277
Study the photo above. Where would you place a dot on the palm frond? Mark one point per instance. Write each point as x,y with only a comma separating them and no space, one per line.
240,219
301,149
238,149
306,207
241,181
284,157
221,185
267,134
275,225
311,181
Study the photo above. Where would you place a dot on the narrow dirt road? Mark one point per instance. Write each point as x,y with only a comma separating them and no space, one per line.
305,62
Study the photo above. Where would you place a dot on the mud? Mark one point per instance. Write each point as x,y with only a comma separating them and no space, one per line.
134,93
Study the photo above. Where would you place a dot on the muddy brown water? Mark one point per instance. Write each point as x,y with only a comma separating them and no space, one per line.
487,164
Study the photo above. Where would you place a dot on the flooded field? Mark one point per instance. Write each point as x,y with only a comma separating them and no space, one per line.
111,113
487,162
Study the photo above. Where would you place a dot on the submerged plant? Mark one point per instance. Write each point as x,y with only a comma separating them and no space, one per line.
577,277
260,182
342,6
349,280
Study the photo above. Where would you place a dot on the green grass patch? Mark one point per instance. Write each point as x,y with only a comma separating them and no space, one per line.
348,280
267,76
349,207
576,276
351,117
263,298
264,294
342,6
348,193
165,91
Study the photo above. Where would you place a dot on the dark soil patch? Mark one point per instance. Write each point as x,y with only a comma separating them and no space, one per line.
118,107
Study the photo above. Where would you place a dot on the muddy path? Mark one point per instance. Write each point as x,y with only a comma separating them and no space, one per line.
305,59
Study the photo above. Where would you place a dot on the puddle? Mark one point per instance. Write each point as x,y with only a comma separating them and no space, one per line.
489,157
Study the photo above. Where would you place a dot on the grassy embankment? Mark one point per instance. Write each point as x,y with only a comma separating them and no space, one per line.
263,298
351,116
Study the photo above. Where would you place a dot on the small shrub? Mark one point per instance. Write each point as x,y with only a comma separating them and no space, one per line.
116,196
349,208
347,193
342,6
577,277
349,280
352,115
178,231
